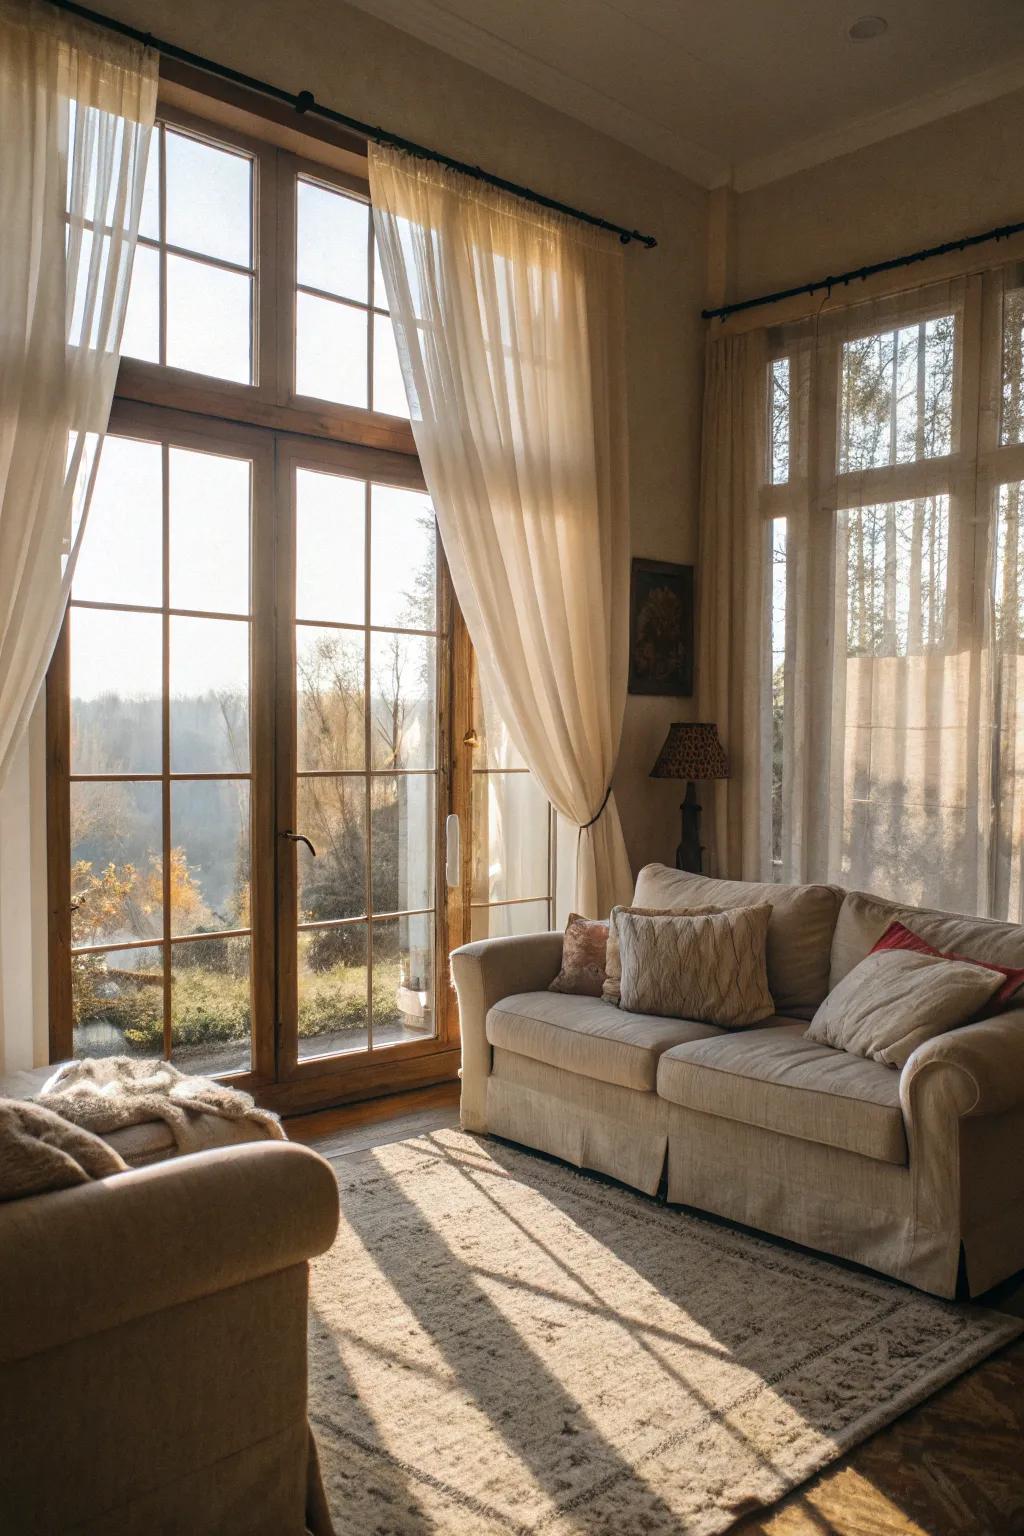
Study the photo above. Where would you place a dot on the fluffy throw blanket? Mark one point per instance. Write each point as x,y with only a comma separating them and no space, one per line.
114,1092
40,1151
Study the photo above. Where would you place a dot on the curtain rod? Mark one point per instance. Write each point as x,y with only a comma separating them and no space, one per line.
305,102
1002,233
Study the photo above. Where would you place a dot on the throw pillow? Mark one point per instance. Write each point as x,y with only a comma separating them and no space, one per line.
710,968
895,999
613,965
583,957
896,936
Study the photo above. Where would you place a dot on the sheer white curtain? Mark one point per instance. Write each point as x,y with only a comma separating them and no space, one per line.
76,110
890,497
509,323
732,571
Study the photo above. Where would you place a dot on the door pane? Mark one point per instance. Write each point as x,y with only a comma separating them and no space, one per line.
331,812
403,841
211,1006
209,531
404,701
117,1003
330,693
501,922
120,560
116,863
116,669
210,855
330,526
209,696
332,990
510,837
403,559
403,979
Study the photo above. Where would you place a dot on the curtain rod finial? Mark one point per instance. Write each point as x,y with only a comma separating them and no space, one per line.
305,101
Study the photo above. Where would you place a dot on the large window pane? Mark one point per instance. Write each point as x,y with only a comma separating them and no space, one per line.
897,395
330,351
402,809
117,1003
211,1006
209,531
494,745
1012,425
502,922
403,559
896,568
116,863
331,689
209,675
779,420
403,703
332,990
332,244
209,199
121,557
116,671
210,855
209,320
330,535
388,384
331,812
141,334
403,979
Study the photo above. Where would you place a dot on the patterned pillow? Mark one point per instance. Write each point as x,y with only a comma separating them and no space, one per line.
896,936
709,968
583,952
613,966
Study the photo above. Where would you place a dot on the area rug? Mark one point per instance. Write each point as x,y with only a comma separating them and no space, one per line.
500,1344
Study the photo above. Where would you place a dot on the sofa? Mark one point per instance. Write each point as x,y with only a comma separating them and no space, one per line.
917,1173
153,1345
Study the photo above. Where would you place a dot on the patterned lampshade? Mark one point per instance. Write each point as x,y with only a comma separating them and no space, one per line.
692,750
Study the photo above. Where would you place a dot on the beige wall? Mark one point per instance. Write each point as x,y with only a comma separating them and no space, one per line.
958,176
363,67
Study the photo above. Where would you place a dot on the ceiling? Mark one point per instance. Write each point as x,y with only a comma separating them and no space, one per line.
733,90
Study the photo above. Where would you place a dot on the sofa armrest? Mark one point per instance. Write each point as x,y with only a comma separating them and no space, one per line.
484,973
80,1261
986,1058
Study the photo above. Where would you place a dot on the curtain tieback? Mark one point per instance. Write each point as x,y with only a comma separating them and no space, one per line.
599,813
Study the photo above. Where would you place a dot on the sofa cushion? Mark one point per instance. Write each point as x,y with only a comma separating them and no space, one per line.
774,1077
863,920
800,932
584,1035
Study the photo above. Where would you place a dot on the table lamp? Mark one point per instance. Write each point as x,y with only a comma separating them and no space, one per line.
691,751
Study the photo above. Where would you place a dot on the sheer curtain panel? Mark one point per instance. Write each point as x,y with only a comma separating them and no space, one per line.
76,110
509,324
890,495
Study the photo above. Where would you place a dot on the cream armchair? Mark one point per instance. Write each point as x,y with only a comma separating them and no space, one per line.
153,1347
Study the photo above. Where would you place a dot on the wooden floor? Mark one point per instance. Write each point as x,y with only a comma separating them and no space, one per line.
952,1467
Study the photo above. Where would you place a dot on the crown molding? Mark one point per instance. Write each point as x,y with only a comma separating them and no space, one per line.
973,91
491,55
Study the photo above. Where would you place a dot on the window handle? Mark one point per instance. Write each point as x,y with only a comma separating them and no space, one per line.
453,852
297,837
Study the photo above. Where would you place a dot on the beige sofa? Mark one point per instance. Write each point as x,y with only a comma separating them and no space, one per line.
153,1348
919,1173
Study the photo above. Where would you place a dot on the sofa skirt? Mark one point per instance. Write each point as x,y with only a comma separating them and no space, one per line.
613,1130
838,1202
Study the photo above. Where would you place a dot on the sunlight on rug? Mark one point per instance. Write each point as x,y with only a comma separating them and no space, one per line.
499,1344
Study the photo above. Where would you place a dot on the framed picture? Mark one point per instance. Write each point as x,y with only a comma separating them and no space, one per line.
661,628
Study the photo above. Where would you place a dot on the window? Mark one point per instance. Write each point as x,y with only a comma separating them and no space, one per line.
895,707
257,724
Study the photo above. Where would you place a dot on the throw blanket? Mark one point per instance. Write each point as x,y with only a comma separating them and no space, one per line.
114,1092
39,1151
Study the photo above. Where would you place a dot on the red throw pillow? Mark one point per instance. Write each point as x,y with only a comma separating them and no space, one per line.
896,936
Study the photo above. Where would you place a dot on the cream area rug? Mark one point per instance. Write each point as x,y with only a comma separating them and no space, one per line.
500,1344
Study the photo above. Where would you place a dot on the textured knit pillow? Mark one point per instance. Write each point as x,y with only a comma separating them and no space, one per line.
895,999
709,968
583,952
613,965
896,936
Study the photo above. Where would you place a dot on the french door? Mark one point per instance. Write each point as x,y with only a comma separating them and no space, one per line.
250,725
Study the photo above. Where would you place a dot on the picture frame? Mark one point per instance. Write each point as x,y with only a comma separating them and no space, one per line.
661,629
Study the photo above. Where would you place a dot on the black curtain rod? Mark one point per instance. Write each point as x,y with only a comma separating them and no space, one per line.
305,102
828,283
